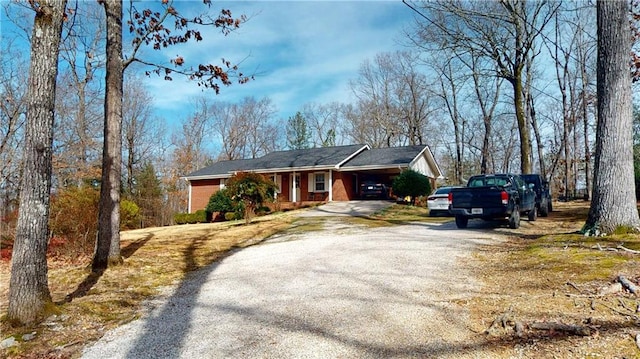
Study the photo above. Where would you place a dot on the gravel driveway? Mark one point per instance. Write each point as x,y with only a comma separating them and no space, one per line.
338,293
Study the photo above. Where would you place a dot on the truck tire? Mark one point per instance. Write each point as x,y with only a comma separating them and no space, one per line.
533,214
461,221
544,209
514,219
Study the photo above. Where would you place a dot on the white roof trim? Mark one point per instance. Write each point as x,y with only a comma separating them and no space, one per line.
365,147
426,152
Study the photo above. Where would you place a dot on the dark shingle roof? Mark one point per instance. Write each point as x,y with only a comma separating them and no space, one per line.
222,168
323,157
392,156
311,157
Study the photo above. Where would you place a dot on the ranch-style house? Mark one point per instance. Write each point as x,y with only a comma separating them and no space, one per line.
317,174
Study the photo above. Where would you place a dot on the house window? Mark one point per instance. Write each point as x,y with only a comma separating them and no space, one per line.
319,182
223,182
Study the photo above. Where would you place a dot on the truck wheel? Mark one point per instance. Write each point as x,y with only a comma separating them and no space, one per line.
533,214
461,222
544,210
514,219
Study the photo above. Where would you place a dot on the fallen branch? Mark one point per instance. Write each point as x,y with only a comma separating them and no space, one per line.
615,249
615,310
600,248
574,286
621,247
560,327
628,285
505,322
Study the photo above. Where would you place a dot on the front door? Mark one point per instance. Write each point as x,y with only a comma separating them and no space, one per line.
295,186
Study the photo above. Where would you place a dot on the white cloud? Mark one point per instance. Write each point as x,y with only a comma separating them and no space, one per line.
301,51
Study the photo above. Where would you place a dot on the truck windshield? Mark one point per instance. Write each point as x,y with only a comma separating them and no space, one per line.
488,181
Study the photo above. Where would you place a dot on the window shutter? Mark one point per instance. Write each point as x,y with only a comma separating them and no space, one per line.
311,178
327,185
278,181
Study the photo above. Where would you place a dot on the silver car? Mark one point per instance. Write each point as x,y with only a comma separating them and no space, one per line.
438,201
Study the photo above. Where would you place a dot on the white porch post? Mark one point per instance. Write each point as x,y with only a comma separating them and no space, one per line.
293,188
330,185
189,209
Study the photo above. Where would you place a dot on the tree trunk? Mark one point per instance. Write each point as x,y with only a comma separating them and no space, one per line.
108,241
523,125
28,288
614,201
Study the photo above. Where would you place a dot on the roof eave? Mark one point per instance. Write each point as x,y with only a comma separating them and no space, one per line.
374,167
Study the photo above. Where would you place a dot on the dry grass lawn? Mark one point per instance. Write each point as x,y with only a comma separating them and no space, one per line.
543,273
546,273
88,305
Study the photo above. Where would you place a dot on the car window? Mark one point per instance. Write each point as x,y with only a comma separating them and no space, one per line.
443,190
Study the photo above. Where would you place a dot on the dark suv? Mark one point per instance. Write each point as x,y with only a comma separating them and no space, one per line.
543,197
374,190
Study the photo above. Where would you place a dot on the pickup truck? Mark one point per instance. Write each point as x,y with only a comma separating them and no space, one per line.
543,197
493,196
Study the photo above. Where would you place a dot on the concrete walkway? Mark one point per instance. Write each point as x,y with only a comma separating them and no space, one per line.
350,208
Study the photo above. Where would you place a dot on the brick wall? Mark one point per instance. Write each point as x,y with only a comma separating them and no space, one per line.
201,191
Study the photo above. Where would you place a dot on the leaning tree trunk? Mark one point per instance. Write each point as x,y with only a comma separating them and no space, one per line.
108,242
28,288
614,201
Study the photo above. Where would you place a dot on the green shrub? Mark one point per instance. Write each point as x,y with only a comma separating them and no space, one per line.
221,202
232,216
411,183
130,214
251,189
199,216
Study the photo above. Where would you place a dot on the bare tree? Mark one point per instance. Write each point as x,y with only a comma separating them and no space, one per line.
227,125
28,287
139,132
614,201
149,28
374,119
451,82
503,31
325,122
392,104
78,125
13,86
263,135
108,241
245,129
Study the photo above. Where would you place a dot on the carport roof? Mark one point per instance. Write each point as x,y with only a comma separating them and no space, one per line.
386,157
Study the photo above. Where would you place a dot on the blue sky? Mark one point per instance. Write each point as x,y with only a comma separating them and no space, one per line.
300,52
